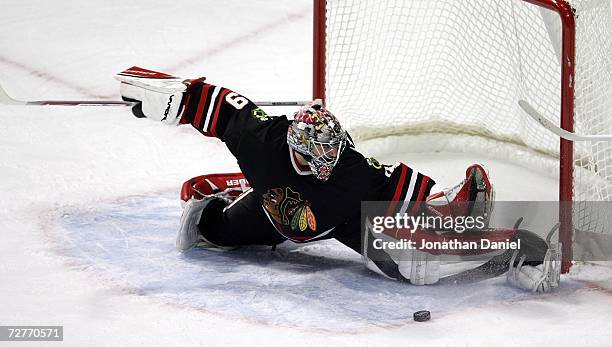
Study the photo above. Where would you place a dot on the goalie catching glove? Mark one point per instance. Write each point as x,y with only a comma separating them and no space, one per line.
156,95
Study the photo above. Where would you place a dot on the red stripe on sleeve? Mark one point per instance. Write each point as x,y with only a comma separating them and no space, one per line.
198,117
398,191
213,126
424,184
420,197
400,184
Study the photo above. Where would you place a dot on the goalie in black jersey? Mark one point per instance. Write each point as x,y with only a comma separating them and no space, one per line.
303,180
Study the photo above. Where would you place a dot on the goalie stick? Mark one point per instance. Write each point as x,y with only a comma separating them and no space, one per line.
531,111
6,99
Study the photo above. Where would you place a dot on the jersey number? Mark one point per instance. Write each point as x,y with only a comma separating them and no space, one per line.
236,100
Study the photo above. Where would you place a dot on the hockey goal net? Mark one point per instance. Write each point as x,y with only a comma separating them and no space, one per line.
461,66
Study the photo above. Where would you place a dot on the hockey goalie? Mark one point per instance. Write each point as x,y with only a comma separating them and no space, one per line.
303,180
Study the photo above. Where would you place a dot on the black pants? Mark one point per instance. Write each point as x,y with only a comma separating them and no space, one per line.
244,222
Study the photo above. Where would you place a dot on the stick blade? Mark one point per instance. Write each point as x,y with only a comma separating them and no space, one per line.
550,126
5,99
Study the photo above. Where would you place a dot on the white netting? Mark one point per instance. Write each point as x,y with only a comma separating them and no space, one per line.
460,66
593,112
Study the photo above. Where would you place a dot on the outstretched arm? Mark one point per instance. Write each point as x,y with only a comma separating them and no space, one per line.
214,111
210,108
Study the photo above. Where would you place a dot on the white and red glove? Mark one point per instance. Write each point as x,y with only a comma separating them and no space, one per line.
157,95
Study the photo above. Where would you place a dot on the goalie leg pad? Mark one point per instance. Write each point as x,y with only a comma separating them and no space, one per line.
424,267
419,267
188,234
224,185
196,194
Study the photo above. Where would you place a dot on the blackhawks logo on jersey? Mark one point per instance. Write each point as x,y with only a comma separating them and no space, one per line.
374,163
259,114
289,212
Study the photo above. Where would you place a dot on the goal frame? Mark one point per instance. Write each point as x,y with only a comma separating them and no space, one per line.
566,150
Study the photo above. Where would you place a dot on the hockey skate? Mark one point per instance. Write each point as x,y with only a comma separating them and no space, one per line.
474,196
538,277
199,193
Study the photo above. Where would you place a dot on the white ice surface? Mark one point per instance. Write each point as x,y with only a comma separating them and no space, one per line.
58,160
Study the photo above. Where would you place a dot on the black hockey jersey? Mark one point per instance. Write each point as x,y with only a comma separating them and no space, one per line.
300,207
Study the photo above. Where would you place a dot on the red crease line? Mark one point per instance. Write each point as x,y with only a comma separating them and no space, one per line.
49,77
237,40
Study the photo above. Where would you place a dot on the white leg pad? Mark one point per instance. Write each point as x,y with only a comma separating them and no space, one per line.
420,267
188,234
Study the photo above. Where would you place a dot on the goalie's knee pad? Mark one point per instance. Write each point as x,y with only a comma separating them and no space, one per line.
201,194
199,218
227,186
188,234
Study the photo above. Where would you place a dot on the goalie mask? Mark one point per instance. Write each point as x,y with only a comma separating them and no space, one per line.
317,135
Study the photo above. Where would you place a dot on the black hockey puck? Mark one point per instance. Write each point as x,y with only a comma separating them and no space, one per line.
422,316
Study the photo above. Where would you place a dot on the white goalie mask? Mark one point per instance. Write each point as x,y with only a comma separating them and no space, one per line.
317,135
